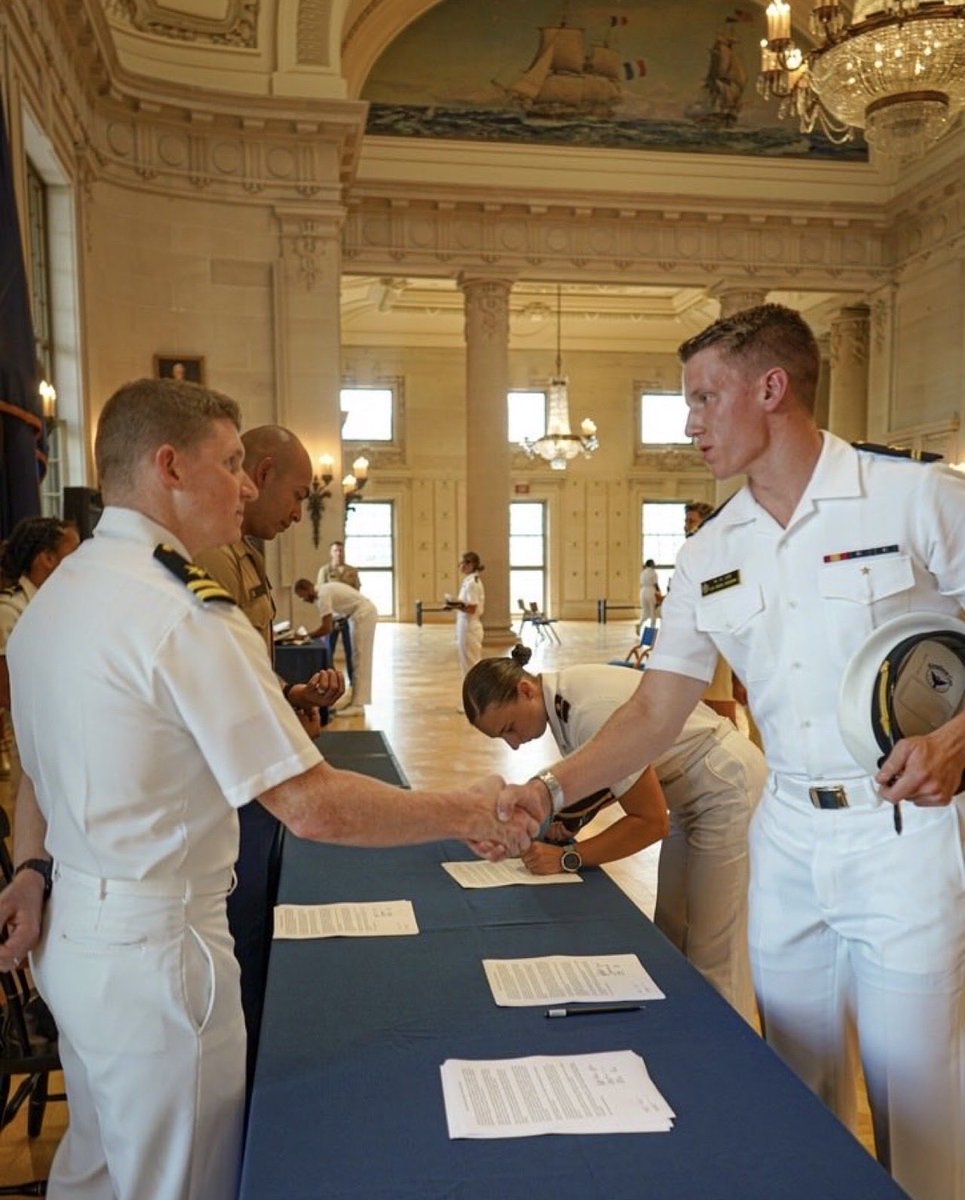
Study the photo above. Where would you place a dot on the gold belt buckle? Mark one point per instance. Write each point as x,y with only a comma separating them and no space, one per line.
828,797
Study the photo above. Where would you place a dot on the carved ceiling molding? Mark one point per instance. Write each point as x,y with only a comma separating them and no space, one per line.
819,253
935,224
850,336
310,245
239,26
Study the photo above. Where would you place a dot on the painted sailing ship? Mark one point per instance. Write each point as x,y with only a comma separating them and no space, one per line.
566,79
722,91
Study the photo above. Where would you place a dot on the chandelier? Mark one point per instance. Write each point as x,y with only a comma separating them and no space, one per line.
558,445
896,70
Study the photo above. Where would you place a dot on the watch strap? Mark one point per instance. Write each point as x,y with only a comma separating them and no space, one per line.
554,787
44,867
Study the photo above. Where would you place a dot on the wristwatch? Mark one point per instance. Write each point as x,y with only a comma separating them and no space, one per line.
554,787
571,859
44,867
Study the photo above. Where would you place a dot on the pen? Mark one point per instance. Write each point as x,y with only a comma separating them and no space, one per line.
896,816
582,1009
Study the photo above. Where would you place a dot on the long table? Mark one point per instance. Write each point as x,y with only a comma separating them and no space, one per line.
347,1102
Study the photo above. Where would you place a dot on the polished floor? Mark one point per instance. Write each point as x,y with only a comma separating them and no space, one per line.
417,687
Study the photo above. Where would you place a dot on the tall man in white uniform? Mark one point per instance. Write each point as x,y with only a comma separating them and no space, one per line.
850,923
340,600
168,720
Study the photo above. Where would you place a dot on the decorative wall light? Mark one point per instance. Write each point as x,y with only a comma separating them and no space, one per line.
319,493
353,484
558,445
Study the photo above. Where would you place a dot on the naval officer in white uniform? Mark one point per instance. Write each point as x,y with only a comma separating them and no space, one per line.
168,719
850,923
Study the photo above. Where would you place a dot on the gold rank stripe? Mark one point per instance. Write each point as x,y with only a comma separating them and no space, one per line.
194,578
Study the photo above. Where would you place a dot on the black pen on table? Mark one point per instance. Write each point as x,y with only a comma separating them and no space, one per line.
580,1010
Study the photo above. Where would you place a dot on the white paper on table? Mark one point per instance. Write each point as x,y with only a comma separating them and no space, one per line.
610,1092
567,978
484,874
377,918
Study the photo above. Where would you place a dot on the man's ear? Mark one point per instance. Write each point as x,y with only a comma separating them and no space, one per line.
776,384
263,468
166,463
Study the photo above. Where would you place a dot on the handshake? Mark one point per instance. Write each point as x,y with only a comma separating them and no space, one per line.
506,817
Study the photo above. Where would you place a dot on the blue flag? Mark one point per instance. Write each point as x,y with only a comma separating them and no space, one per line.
23,444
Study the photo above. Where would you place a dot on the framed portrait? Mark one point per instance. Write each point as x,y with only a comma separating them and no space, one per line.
179,366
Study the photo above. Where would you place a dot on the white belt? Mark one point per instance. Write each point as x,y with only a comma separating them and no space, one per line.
846,793
171,887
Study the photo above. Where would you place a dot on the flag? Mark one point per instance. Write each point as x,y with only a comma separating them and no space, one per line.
634,69
23,450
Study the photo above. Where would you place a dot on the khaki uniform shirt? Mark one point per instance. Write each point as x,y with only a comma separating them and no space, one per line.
240,569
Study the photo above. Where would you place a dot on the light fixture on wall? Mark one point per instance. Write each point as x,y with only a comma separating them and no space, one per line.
895,70
558,445
318,493
48,402
353,484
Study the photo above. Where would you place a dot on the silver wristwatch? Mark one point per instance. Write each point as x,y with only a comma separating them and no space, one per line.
571,860
554,787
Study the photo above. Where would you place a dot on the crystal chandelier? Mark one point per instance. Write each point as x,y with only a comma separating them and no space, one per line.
558,445
896,70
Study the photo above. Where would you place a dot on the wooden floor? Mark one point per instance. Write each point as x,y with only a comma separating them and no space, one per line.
417,688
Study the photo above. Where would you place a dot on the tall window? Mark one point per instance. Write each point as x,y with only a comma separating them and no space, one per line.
663,417
370,546
39,240
527,553
527,415
663,535
369,414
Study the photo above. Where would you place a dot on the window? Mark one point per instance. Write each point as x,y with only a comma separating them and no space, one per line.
527,415
663,418
369,414
527,553
663,535
370,546
39,241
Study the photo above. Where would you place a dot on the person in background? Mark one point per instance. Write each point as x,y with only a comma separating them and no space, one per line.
650,595
711,780
337,570
852,927
34,550
279,466
168,720
338,601
469,605
696,513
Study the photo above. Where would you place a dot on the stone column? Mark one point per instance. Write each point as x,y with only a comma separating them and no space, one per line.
733,299
822,399
848,401
487,443
881,362
308,373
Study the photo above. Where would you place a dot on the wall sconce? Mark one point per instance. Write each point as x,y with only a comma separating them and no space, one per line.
319,493
353,484
48,402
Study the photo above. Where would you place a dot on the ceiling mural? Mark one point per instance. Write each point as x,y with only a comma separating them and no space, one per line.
674,75
220,22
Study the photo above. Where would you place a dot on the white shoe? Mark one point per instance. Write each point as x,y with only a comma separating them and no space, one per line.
344,700
348,710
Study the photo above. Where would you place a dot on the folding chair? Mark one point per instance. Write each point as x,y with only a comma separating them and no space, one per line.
639,651
543,623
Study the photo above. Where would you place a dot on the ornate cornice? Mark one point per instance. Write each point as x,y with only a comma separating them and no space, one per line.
238,27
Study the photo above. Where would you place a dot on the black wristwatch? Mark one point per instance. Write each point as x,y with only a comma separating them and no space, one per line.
44,867
571,860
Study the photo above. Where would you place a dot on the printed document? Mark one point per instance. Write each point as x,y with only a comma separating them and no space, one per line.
483,874
378,918
610,1092
566,978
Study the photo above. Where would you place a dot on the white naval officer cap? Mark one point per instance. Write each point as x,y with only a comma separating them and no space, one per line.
907,679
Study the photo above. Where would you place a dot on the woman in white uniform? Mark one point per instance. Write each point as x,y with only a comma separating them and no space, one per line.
650,595
469,606
711,778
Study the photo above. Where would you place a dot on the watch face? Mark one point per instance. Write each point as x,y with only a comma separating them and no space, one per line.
571,860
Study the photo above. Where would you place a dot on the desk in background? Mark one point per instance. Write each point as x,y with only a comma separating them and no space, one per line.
297,661
348,1104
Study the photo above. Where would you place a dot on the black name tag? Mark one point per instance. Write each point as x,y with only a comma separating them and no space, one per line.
720,583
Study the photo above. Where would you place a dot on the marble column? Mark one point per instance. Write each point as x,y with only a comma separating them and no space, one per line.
848,400
822,398
487,443
733,299
308,374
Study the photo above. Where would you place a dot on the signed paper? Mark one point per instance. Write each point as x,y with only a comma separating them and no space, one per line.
564,978
484,874
378,918
610,1092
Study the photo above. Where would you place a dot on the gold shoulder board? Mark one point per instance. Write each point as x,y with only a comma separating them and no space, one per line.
194,578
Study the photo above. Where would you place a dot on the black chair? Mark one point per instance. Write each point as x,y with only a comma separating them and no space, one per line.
28,1045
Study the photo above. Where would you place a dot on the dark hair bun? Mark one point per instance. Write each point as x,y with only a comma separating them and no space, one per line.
520,654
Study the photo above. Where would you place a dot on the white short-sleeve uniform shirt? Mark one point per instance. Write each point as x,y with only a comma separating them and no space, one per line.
872,537
146,716
341,600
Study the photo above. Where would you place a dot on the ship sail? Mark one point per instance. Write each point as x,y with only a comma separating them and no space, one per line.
564,78
603,61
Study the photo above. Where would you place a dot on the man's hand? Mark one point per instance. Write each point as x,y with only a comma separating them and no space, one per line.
511,828
926,770
542,859
21,911
311,721
532,797
321,691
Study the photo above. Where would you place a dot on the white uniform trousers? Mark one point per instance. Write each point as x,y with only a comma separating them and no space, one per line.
363,651
144,989
702,879
469,638
853,927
